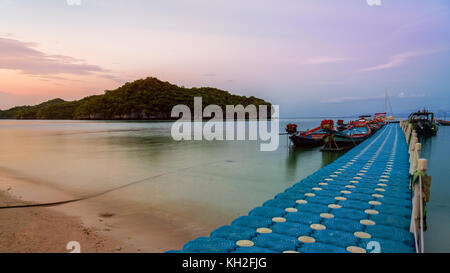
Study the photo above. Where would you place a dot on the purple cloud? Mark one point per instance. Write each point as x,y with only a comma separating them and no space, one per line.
403,95
399,59
339,100
350,99
325,60
18,55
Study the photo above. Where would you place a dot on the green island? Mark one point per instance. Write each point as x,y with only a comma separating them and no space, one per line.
144,99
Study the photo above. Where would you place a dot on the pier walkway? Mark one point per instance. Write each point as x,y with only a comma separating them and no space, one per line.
359,203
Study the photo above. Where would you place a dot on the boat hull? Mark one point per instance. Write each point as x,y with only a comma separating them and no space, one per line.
444,122
300,141
338,141
351,141
375,127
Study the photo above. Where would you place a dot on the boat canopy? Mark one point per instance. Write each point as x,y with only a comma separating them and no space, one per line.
357,131
380,114
422,115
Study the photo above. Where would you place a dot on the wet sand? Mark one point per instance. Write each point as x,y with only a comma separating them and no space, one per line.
99,225
41,230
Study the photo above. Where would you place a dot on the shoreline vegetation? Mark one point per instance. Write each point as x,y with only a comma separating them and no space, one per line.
144,99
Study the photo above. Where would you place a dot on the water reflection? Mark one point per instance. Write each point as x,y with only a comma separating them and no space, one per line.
294,160
330,157
226,177
436,150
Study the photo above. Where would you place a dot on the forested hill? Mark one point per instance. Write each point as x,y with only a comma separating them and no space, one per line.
146,99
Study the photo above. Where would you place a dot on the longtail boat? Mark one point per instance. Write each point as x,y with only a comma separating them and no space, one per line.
291,128
444,122
424,124
341,126
374,126
314,137
357,133
380,118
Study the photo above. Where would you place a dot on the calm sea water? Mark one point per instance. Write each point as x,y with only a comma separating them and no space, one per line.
437,151
211,181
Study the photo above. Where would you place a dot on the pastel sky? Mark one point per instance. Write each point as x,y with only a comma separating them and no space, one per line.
312,57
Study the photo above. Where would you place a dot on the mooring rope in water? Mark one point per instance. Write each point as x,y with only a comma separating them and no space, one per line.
52,204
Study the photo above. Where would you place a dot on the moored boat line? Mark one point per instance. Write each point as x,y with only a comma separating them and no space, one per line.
313,138
341,137
443,122
357,133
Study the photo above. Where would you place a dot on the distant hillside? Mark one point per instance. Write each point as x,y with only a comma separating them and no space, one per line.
27,111
147,99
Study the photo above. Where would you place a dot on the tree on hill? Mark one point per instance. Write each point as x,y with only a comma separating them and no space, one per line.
148,98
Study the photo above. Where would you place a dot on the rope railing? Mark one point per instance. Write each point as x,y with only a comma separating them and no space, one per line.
418,168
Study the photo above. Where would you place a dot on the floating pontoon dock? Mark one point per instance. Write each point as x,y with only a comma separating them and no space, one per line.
359,203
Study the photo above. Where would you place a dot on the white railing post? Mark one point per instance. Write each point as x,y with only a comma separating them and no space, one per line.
414,157
408,133
422,167
412,154
418,150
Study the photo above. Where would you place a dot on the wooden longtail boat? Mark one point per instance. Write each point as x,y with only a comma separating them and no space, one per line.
341,126
314,137
375,125
357,133
424,124
444,122
380,118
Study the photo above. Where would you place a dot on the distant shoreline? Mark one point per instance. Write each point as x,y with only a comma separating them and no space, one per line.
204,119
143,99
135,120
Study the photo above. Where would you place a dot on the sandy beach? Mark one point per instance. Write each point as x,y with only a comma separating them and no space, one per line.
42,230
98,225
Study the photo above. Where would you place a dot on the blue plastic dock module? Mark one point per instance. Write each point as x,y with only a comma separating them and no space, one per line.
359,203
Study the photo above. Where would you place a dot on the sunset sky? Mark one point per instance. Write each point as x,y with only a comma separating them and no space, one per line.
312,57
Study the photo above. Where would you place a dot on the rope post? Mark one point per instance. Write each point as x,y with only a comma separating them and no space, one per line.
412,144
413,140
418,149
413,133
414,156
422,166
406,128
408,133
